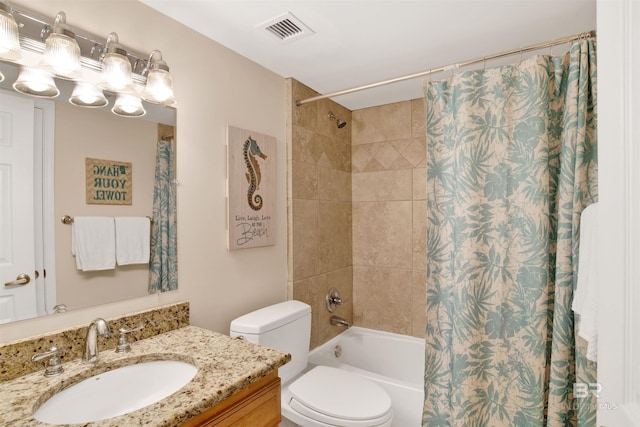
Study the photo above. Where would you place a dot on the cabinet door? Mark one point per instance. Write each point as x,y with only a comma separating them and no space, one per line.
258,405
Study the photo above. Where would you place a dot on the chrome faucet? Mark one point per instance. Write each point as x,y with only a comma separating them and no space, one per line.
339,321
98,326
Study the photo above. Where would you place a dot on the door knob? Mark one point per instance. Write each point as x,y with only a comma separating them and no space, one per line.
22,279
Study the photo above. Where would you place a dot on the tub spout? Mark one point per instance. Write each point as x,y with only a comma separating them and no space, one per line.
339,321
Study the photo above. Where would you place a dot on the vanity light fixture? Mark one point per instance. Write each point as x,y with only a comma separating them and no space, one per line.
9,44
159,86
116,68
47,50
128,105
87,94
61,52
36,82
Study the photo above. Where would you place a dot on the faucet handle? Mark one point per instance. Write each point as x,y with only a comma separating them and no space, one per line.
123,345
60,308
54,367
332,299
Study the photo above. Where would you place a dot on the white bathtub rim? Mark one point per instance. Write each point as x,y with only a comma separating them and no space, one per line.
320,354
354,330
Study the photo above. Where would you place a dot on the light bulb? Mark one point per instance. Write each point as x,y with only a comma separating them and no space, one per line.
86,94
159,85
116,72
116,68
61,55
9,44
159,88
127,105
36,82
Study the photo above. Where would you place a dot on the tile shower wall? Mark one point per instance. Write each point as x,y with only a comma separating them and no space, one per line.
319,208
389,217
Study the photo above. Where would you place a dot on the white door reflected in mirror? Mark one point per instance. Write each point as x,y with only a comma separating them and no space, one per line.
17,248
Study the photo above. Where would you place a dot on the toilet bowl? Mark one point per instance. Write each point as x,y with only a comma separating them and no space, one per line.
313,396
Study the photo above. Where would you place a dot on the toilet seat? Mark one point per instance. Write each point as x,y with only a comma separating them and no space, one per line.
340,398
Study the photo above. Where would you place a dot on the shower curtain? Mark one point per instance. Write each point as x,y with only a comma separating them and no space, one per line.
163,268
511,164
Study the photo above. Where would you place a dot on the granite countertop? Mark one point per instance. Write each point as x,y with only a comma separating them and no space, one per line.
225,365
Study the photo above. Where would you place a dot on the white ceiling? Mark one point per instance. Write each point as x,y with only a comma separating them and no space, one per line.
357,42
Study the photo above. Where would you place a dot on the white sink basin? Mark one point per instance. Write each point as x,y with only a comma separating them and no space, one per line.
116,392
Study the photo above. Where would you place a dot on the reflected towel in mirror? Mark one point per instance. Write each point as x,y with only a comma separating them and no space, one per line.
93,241
585,297
133,244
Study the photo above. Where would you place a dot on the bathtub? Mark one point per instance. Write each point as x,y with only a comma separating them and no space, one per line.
395,362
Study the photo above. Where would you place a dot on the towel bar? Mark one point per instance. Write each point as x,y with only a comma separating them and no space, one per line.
68,220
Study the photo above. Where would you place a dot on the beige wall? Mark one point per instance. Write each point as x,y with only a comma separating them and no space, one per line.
380,275
389,217
214,87
81,133
319,192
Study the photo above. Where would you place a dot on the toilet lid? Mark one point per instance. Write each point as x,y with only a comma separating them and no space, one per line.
337,393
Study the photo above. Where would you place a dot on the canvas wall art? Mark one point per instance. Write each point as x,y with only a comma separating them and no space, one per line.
108,182
251,180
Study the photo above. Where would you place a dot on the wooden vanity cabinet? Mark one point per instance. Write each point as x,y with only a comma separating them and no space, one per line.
257,405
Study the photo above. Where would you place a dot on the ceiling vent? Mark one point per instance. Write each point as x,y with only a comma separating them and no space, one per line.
286,28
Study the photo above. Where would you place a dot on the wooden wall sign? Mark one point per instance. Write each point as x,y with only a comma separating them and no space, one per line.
108,182
251,189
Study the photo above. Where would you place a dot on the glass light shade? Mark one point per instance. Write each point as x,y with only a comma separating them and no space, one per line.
62,56
9,44
36,82
88,95
127,105
159,88
116,72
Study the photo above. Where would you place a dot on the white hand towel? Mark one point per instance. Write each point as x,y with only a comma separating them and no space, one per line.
133,245
585,298
93,242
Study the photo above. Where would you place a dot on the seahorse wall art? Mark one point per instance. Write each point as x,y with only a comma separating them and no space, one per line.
250,152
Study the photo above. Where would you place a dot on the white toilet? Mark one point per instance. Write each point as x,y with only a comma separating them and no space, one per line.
313,395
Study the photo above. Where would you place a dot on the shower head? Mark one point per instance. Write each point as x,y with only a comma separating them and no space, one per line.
339,122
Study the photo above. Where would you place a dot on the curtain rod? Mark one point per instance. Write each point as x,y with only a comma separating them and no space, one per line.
586,35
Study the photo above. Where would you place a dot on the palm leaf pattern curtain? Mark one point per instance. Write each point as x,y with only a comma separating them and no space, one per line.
163,268
511,164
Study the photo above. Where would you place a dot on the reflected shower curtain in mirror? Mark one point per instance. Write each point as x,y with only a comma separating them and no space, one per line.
511,164
163,268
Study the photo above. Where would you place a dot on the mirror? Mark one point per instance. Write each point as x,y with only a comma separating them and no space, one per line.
69,135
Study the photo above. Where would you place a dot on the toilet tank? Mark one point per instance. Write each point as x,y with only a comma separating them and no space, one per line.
285,326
